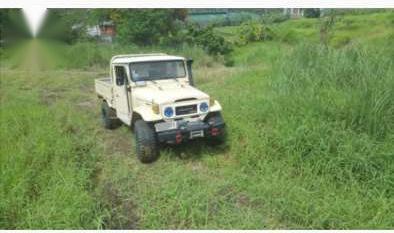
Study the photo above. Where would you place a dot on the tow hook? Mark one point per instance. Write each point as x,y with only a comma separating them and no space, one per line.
214,131
178,137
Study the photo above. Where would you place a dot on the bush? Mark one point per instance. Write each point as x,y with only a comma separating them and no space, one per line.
12,26
270,18
148,27
229,61
288,36
230,19
312,13
213,43
340,41
254,31
66,25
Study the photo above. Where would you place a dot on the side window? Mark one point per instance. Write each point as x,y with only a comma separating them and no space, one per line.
120,74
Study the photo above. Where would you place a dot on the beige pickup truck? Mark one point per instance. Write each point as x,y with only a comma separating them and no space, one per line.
154,95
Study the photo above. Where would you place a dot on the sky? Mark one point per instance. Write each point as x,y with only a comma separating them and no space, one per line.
34,16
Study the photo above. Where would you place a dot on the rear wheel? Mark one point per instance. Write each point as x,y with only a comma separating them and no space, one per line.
145,142
108,116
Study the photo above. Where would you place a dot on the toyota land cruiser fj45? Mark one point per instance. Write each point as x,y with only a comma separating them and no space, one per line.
154,94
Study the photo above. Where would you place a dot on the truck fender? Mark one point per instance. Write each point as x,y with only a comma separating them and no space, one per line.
216,107
146,113
104,100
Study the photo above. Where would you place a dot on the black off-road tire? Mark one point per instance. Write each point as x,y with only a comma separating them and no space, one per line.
146,144
108,116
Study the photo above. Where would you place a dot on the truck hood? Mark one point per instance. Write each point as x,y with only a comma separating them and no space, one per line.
164,93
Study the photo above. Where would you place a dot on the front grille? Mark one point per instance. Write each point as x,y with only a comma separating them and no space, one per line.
185,110
185,99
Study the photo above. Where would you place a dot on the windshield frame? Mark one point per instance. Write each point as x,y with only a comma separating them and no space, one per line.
156,61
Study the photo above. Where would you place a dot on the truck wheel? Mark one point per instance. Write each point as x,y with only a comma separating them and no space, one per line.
145,142
108,116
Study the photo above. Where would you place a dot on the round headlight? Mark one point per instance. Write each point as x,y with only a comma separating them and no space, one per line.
204,107
168,112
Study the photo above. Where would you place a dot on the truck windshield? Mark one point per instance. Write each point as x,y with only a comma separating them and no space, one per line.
157,70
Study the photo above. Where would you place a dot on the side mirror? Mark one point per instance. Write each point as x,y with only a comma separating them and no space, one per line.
189,63
140,83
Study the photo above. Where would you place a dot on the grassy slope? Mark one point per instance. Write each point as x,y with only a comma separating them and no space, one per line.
46,154
303,152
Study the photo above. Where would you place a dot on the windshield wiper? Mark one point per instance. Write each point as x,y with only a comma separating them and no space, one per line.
152,80
172,77
163,78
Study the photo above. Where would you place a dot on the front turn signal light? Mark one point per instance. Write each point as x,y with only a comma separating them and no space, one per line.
211,101
155,108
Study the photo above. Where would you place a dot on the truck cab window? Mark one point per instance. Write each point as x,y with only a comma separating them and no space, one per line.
120,74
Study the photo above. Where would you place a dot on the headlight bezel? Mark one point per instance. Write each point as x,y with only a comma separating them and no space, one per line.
203,107
211,101
168,111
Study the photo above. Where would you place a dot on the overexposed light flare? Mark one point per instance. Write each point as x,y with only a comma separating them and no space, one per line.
35,16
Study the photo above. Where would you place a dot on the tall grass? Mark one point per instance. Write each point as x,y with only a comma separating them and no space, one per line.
310,141
315,137
46,161
341,107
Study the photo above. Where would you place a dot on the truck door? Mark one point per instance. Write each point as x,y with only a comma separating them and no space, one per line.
120,93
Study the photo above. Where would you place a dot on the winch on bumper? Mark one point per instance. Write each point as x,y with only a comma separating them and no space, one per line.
177,131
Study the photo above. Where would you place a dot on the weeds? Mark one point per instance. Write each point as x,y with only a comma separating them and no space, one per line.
310,139
45,162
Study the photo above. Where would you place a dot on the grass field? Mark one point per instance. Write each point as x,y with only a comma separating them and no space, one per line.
310,138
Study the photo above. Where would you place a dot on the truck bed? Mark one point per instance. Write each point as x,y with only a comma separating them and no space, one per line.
103,88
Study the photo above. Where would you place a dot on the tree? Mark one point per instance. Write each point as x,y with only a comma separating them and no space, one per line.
97,16
312,13
12,26
146,27
212,42
67,25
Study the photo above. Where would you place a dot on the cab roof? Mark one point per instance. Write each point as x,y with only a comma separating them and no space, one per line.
128,58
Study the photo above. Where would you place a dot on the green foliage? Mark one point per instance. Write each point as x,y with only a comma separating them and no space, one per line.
288,36
147,27
228,61
65,25
47,157
89,55
142,27
312,13
321,118
252,31
326,26
274,17
208,39
340,41
98,16
362,81
229,19
13,27
310,138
